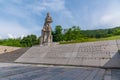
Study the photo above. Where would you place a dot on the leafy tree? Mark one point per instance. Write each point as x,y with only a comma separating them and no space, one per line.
57,34
72,34
117,32
11,42
68,35
29,41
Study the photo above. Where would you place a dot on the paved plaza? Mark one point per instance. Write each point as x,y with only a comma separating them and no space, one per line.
12,71
100,54
81,61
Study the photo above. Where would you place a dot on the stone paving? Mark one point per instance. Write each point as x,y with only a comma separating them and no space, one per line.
10,71
13,71
115,74
88,54
101,54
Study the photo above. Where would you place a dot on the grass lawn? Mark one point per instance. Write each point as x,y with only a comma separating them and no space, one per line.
111,38
91,40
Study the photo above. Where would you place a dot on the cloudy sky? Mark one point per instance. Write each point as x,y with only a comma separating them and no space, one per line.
23,17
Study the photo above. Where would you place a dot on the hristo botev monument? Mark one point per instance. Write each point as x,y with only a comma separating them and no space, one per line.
46,33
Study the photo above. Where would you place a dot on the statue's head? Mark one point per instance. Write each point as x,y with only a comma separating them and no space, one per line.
48,14
48,18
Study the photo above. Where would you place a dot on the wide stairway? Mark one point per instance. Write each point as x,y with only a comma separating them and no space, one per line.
98,54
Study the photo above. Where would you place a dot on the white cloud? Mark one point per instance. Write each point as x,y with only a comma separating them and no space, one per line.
106,17
19,20
11,36
30,14
36,7
12,29
22,36
111,16
0,37
64,16
56,5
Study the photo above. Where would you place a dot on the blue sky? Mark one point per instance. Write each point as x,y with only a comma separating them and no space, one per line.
23,17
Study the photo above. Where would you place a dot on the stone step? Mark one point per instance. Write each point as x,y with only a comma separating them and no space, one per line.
100,54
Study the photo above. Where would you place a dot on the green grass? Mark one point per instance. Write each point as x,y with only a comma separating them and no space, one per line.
90,40
111,38
10,42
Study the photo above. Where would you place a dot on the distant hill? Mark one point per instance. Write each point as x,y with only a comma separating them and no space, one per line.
101,33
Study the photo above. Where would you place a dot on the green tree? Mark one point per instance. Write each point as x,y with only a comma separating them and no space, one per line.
30,40
11,42
72,34
57,34
117,32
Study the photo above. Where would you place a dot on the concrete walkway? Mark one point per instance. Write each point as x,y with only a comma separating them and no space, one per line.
10,71
13,71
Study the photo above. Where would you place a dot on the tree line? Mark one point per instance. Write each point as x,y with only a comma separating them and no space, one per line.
26,41
72,34
101,33
75,33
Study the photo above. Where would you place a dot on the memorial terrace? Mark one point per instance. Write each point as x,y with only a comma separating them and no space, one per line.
97,54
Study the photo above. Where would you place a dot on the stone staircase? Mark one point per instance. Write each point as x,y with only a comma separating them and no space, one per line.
99,54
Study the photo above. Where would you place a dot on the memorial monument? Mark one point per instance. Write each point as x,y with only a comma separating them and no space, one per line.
46,33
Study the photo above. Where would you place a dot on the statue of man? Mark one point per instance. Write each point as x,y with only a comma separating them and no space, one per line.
47,30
